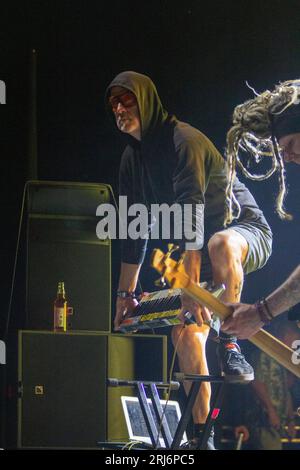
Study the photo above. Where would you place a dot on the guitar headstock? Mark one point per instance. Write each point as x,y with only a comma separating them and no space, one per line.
172,271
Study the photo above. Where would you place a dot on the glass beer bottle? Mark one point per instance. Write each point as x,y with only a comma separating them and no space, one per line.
60,309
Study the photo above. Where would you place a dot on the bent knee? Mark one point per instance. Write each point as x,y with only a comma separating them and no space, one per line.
227,245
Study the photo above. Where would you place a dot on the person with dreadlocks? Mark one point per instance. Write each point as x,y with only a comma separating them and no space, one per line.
268,125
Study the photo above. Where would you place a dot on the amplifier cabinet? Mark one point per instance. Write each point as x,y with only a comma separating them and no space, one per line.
62,245
64,400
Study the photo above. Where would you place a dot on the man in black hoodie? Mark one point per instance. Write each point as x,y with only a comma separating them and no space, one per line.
168,161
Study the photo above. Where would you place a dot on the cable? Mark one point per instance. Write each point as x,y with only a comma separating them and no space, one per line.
174,357
129,445
9,310
8,316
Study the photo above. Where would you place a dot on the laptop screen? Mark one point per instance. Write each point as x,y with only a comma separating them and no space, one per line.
136,426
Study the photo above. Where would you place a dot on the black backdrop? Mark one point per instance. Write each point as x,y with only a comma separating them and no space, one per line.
198,53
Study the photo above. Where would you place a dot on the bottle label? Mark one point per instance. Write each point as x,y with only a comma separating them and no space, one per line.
60,318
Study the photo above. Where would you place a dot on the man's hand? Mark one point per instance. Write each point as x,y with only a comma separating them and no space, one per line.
200,314
244,321
242,430
124,307
192,265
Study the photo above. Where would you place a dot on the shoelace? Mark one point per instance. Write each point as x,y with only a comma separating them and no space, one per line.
236,355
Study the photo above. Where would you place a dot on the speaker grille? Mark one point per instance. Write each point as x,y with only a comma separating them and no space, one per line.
62,245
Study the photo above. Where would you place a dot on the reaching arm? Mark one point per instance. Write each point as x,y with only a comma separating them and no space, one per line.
246,321
190,179
132,251
285,296
127,282
192,266
129,276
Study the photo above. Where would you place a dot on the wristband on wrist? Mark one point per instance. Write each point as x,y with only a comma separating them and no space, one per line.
124,294
266,305
262,312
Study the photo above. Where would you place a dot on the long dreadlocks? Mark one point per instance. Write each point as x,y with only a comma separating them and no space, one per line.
253,132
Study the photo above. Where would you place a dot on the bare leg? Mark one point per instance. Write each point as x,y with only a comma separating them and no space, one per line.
192,360
227,251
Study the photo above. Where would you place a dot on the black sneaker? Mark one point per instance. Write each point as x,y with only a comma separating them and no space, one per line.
233,364
194,444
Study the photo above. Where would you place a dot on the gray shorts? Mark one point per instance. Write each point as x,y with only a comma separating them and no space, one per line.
259,239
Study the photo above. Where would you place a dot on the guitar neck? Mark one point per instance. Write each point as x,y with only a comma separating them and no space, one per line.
204,297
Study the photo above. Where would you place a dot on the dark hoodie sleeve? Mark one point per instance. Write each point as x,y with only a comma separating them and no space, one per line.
132,251
189,182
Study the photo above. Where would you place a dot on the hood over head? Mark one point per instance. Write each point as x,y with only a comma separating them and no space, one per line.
152,113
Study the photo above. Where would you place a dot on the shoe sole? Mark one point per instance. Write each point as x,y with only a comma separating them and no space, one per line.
238,378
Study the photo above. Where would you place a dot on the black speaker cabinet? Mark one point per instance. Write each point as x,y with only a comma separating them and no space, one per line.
64,401
62,245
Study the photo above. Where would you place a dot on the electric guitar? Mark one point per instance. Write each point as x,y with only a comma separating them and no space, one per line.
174,273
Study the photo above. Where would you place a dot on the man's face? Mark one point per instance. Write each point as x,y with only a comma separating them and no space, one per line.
290,145
125,108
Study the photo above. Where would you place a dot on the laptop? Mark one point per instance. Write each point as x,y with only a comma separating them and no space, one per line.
136,426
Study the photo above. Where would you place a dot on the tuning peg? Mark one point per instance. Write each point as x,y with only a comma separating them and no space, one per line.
160,282
171,249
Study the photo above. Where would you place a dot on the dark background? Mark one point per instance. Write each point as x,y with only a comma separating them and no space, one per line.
198,53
